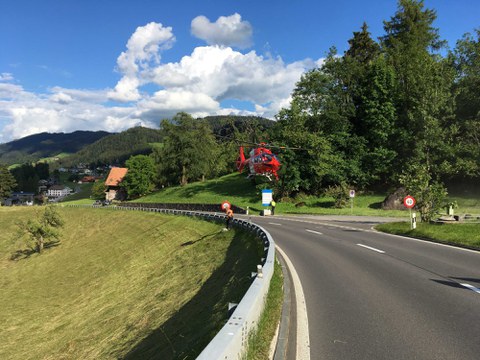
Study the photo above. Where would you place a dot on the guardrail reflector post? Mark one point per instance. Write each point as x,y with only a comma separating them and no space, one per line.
259,271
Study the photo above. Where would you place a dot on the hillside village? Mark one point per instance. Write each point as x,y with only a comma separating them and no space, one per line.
68,182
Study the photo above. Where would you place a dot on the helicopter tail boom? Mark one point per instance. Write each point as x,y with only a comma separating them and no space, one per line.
241,159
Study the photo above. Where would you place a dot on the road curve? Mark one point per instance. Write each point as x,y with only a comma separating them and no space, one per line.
376,296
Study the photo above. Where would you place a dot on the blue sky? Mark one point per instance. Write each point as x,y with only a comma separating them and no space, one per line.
109,65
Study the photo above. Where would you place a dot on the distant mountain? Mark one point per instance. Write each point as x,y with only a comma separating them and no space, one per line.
101,147
115,148
35,147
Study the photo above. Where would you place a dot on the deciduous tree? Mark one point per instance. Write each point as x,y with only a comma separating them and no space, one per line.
189,151
43,229
141,175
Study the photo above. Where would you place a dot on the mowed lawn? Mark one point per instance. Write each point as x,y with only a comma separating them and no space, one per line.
120,285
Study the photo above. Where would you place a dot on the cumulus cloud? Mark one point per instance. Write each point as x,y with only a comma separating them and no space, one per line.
226,31
143,52
61,110
222,73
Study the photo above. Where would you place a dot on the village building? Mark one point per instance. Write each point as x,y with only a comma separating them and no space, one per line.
56,192
86,179
20,198
114,178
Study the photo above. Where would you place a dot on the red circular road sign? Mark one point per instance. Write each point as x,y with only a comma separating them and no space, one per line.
226,205
409,201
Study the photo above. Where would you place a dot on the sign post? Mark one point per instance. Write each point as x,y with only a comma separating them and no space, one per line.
352,195
409,202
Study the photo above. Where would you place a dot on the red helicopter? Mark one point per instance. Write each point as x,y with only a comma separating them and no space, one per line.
261,162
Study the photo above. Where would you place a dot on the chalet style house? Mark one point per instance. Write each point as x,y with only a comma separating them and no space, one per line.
115,177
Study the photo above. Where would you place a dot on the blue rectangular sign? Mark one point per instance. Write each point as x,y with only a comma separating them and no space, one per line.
267,196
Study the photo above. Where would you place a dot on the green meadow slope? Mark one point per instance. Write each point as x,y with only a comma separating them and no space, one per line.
120,285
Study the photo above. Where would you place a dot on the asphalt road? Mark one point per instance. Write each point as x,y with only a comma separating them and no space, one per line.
375,296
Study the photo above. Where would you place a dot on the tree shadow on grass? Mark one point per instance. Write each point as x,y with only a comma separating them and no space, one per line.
192,327
26,253
377,205
188,243
325,204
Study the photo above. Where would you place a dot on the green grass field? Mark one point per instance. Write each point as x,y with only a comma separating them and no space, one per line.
120,284
467,235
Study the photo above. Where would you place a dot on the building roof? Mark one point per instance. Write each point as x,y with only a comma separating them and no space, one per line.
116,176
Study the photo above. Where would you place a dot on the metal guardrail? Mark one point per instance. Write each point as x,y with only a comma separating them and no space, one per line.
232,339
471,218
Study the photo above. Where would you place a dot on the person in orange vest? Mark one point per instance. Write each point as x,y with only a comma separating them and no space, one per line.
228,217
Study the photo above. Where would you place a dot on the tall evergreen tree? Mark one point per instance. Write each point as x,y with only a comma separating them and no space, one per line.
466,60
362,47
423,99
370,83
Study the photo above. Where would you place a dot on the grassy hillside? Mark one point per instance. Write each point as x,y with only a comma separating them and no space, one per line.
241,192
46,145
116,148
120,285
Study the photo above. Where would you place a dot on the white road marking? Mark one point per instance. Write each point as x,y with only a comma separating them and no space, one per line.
303,337
314,232
372,248
275,224
471,287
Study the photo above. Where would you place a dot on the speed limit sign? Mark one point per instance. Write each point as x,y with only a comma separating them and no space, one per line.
409,201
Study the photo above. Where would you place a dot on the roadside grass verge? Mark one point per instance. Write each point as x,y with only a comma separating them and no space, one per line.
120,284
260,341
467,235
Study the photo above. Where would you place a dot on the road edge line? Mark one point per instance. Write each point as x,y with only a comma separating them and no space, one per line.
303,337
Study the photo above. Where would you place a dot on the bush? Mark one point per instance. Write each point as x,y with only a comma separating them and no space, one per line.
340,193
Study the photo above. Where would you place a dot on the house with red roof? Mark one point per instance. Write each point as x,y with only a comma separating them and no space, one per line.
114,179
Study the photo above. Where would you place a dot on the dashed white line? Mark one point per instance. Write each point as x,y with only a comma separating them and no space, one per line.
313,232
371,248
471,287
275,224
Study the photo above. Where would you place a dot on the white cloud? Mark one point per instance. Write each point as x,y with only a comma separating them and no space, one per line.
61,110
198,83
6,77
226,31
143,52
222,73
